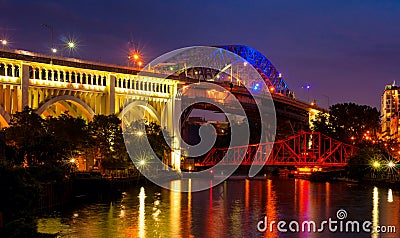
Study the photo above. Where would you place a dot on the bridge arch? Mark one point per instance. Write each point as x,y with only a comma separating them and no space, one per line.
81,105
262,64
144,105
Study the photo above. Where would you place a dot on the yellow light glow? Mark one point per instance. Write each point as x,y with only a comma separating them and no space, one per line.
390,195
140,133
142,162
376,164
72,160
391,164
71,44
142,224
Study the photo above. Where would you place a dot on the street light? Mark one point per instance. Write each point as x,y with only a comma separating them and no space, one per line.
4,43
271,89
71,45
140,133
376,164
391,164
51,36
307,87
135,57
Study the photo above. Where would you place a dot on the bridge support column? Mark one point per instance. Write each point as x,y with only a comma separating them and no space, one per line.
173,115
110,106
24,86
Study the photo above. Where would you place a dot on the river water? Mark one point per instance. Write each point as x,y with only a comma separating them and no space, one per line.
236,208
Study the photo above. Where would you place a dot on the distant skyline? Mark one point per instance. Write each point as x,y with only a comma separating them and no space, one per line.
346,50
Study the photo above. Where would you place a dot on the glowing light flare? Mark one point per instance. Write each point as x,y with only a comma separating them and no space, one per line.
53,50
135,56
391,164
4,42
71,44
139,133
376,164
256,86
142,162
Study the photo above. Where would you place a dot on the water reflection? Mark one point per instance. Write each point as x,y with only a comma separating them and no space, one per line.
375,212
175,208
390,195
142,196
231,209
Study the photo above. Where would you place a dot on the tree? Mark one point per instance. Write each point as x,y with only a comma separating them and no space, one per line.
350,123
70,133
138,133
106,134
321,124
29,140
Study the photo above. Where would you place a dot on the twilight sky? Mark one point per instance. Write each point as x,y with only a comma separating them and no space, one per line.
346,50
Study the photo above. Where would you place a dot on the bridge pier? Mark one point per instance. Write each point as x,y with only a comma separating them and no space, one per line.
110,105
24,100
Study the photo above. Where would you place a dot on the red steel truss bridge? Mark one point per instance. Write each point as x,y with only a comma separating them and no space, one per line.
306,149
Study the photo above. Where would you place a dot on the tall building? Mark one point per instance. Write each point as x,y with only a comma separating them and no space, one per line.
390,108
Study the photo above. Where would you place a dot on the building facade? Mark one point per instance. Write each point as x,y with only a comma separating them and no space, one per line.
390,112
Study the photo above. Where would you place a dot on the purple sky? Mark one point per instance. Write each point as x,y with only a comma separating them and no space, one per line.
346,50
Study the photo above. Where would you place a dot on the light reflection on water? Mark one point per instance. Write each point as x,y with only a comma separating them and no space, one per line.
231,209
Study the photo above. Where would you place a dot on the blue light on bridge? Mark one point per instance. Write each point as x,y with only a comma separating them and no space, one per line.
256,87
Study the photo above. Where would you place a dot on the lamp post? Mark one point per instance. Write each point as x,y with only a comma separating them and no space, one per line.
327,97
70,46
53,50
307,87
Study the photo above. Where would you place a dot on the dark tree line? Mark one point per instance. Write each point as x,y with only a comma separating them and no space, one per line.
33,141
359,125
36,151
349,123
